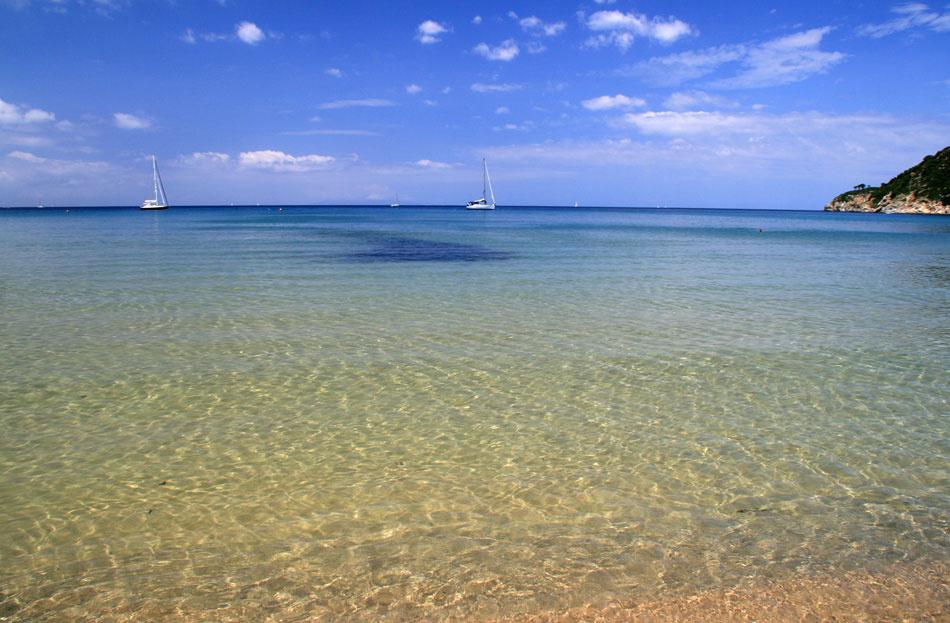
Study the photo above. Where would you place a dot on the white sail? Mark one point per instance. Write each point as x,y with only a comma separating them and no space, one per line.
160,202
482,204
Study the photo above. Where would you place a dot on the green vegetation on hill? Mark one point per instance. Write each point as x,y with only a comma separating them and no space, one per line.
930,179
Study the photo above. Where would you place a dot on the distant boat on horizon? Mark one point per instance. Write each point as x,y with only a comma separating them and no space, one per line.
160,202
482,204
395,204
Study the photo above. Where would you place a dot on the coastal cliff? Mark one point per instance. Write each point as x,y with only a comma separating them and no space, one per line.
922,189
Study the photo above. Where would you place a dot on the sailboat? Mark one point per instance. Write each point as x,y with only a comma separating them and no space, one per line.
395,204
482,204
160,202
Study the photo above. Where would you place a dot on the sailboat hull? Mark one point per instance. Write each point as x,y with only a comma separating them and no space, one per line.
153,208
479,207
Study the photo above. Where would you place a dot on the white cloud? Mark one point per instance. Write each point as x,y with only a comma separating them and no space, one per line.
188,36
912,16
413,88
495,88
369,103
333,71
620,29
430,31
477,19
11,114
670,123
691,99
35,115
431,164
783,61
535,25
205,158
125,121
272,160
502,110
504,52
607,102
249,33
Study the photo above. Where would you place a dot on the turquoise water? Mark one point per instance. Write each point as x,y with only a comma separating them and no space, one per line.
375,414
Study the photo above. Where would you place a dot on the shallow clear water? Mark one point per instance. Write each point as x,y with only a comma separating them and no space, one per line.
361,413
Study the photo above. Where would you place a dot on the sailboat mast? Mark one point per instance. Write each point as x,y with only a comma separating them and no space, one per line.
489,185
155,177
484,176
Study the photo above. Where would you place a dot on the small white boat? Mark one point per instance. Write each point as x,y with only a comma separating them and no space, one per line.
395,204
160,202
482,204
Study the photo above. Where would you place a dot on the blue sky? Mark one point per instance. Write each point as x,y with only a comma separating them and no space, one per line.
600,102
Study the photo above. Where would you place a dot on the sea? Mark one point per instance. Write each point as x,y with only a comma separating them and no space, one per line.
287,413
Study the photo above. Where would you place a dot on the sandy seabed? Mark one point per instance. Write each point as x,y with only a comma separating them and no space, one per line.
897,593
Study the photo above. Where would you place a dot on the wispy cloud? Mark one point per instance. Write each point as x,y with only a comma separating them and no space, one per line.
331,133
125,121
55,178
430,31
684,100
333,71
481,87
249,33
621,29
685,66
827,150
504,52
911,16
785,60
272,160
512,127
608,102
412,89
367,103
536,26
103,7
26,156
534,47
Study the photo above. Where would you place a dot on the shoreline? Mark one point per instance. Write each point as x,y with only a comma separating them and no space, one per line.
918,592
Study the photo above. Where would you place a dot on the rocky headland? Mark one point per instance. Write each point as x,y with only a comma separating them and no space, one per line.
922,189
